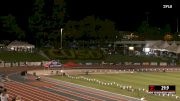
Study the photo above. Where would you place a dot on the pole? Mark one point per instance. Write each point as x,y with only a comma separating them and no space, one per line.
147,19
61,37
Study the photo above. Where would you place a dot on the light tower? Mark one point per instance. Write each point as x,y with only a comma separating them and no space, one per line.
147,17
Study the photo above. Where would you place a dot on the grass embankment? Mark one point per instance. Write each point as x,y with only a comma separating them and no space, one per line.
89,55
135,59
136,80
20,56
81,54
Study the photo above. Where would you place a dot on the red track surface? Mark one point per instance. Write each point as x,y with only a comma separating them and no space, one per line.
29,93
117,98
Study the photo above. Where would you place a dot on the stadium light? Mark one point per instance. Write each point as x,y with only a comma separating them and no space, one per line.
61,37
131,48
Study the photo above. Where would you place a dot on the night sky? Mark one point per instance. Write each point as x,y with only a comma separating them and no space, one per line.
126,14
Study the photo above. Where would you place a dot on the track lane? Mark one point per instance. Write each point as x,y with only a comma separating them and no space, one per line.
84,97
90,92
25,92
36,92
26,96
85,90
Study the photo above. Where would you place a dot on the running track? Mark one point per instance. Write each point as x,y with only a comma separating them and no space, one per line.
53,90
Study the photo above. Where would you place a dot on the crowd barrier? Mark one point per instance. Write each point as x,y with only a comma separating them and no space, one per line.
40,63
19,64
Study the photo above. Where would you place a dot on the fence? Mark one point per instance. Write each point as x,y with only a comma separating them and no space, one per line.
40,63
20,64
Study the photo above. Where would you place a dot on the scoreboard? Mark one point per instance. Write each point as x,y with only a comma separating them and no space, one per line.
162,89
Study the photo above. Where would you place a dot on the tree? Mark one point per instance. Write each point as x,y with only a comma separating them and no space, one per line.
149,32
143,28
87,28
95,28
168,37
108,30
56,21
45,26
36,21
153,33
166,29
90,29
82,30
59,12
98,29
72,30
10,26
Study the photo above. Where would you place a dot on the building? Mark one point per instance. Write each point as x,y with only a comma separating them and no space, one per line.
148,46
2,46
20,46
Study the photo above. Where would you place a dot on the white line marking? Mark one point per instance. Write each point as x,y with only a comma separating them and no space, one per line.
98,89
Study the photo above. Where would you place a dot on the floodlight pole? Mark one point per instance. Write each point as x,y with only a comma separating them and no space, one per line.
61,37
147,19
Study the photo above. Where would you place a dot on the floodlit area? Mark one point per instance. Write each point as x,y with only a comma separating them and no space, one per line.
131,84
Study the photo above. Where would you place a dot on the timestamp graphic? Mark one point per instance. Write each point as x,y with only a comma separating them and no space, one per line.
162,89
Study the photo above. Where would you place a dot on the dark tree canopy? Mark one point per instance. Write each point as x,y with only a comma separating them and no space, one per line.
90,28
10,29
46,18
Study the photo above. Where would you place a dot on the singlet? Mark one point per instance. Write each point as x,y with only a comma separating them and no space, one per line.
4,98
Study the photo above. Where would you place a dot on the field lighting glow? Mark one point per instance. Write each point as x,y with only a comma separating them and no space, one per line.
146,50
131,48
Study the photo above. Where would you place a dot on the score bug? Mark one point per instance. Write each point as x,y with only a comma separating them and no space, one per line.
162,89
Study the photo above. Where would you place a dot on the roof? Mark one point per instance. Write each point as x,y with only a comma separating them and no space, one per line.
19,43
2,45
173,47
162,44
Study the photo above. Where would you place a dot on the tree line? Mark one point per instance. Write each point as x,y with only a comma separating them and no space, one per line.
45,23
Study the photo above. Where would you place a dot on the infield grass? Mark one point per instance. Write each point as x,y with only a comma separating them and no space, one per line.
136,80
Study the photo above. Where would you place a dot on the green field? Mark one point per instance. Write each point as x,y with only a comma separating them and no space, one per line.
136,80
